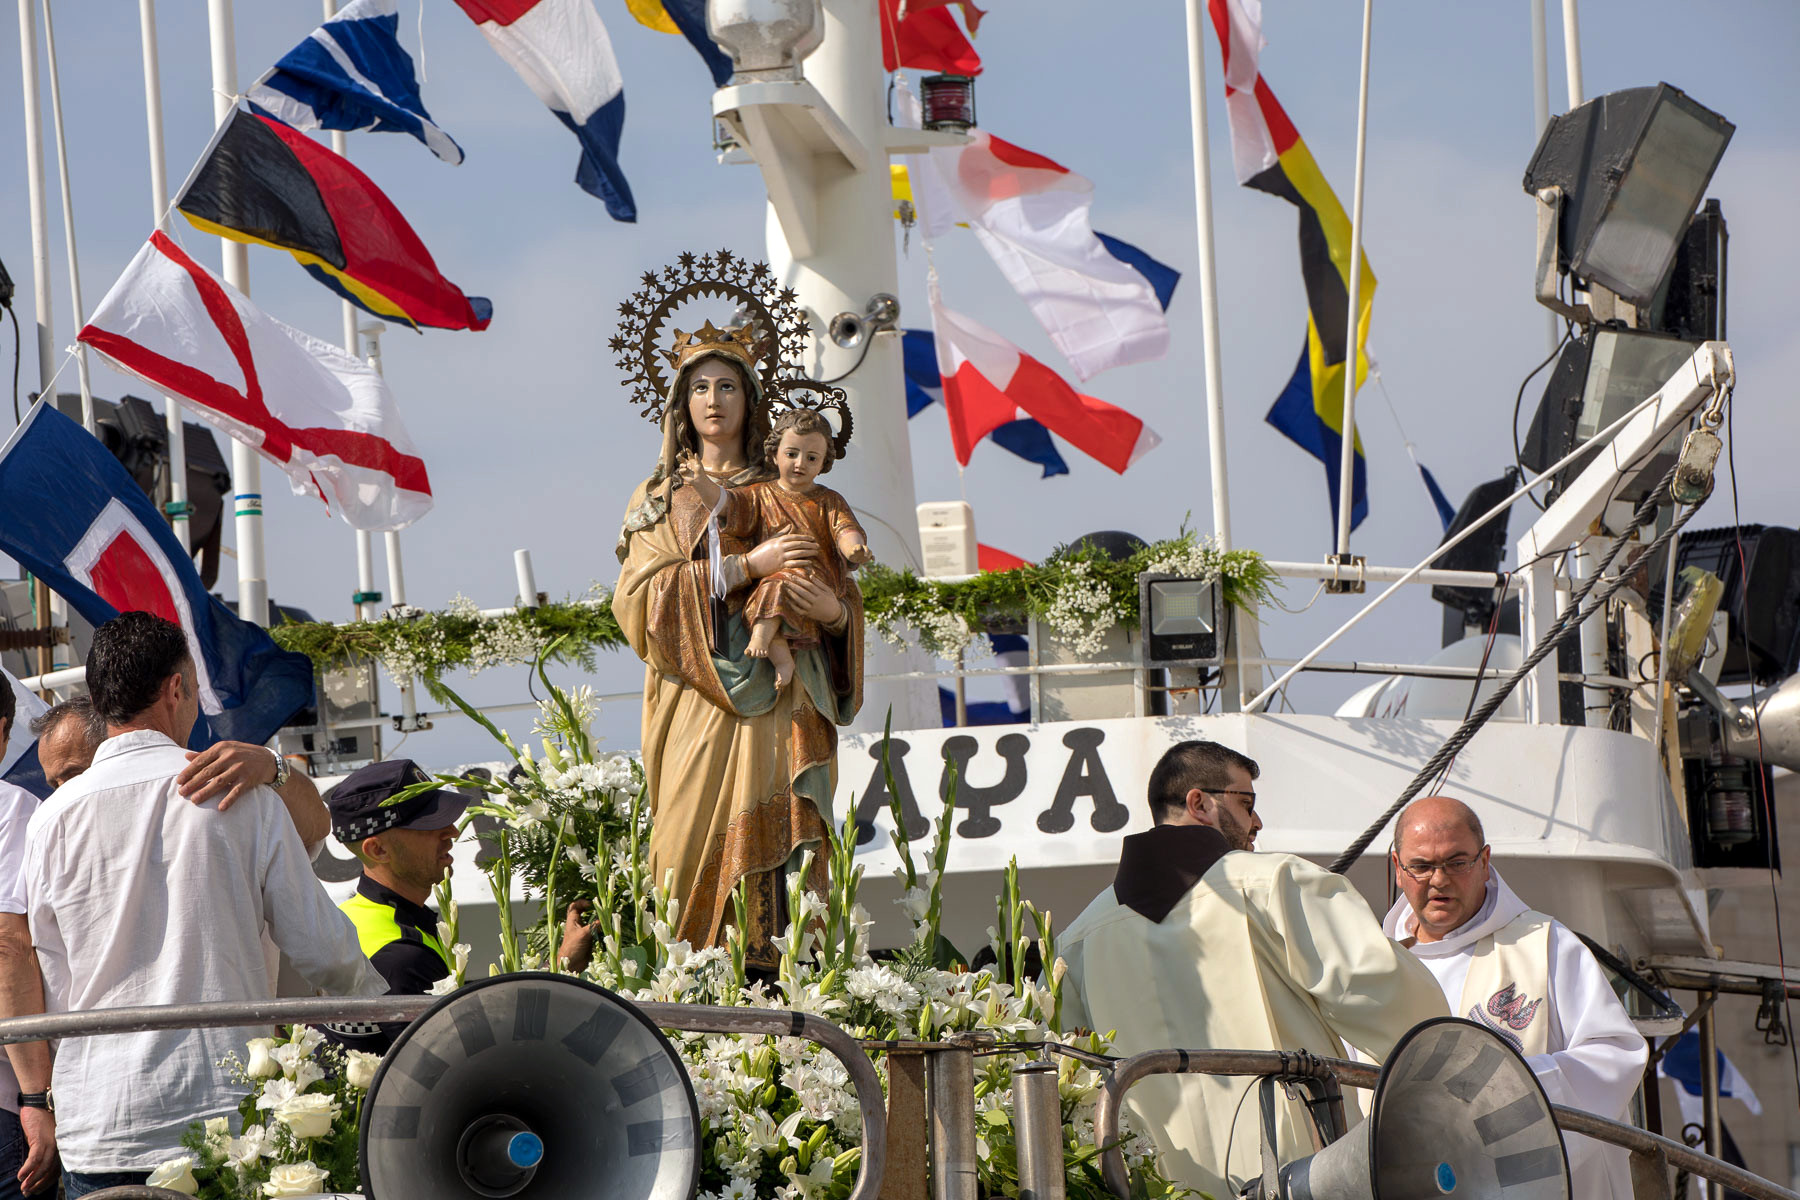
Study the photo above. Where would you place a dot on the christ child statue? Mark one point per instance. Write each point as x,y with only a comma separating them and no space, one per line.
801,448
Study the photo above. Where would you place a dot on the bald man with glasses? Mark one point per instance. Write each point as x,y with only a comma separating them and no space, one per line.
1522,974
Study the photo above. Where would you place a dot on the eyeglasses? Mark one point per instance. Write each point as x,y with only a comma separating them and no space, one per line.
1249,797
1455,868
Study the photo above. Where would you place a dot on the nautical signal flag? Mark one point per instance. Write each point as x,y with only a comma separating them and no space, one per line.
925,36
322,416
1026,437
687,18
1101,300
269,185
1270,157
352,74
987,381
561,50
99,543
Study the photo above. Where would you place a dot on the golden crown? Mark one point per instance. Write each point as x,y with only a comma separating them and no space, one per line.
738,343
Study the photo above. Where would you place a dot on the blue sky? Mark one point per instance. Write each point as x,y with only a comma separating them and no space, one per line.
525,427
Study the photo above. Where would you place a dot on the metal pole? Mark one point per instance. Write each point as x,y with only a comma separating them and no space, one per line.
365,543
246,466
950,1090
1347,423
1540,108
34,185
68,212
1209,284
177,508
1037,1109
526,577
1572,50
396,568
1709,1094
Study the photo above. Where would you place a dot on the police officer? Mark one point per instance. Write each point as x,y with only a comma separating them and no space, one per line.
404,849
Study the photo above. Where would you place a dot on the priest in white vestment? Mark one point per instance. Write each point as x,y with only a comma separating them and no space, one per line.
1201,945
1522,974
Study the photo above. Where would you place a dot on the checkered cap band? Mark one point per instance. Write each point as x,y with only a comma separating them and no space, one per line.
376,822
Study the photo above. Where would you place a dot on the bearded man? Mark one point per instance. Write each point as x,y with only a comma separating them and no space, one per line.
1522,974
1201,944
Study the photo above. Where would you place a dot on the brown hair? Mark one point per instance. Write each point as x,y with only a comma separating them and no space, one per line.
803,421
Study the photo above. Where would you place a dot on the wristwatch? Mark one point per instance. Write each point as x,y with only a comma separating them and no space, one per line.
37,1100
282,769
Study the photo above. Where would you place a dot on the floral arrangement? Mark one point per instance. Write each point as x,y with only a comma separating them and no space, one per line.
297,1125
779,1116
1077,591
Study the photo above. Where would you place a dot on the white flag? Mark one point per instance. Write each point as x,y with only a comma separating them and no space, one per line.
325,418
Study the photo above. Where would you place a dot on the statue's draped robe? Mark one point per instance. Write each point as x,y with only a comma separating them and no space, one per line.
740,776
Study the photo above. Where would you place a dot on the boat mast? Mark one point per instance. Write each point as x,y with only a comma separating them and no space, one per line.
159,207
1209,283
1353,323
246,468
837,258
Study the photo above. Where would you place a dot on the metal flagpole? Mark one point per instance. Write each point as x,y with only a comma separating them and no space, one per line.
159,204
246,467
365,541
409,703
1209,284
1540,108
1572,50
48,658
68,211
34,184
1347,424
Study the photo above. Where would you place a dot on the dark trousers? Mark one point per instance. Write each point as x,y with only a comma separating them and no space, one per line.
12,1157
76,1184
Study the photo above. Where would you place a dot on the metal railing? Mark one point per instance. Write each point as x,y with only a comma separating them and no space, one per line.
694,1018
1650,1152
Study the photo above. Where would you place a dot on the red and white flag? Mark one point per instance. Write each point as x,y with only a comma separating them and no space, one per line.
1031,215
325,418
988,381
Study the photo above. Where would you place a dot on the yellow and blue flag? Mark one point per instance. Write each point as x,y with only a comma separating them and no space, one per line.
688,18
1272,158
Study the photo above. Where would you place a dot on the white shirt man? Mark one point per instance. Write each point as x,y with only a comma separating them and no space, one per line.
1199,945
138,896
1522,974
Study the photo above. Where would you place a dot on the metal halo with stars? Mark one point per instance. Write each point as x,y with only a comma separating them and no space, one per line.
823,399
775,314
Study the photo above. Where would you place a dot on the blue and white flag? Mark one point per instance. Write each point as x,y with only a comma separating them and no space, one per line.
352,74
18,756
1024,437
1681,1063
561,50
73,517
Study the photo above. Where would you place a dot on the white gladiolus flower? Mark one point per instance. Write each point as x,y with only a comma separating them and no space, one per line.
308,1116
307,1074
359,1069
242,1152
177,1175
295,1179
218,1133
288,1058
262,1065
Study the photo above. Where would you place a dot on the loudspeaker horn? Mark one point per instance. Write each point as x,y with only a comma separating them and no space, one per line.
531,1086
848,330
1456,1112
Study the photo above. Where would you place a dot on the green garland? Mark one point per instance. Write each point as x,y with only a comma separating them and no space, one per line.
1077,591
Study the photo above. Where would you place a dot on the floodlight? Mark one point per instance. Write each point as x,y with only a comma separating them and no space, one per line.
1180,618
1599,378
1623,173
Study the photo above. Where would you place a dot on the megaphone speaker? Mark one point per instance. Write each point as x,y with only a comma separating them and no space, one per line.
847,330
1456,1112
531,1086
